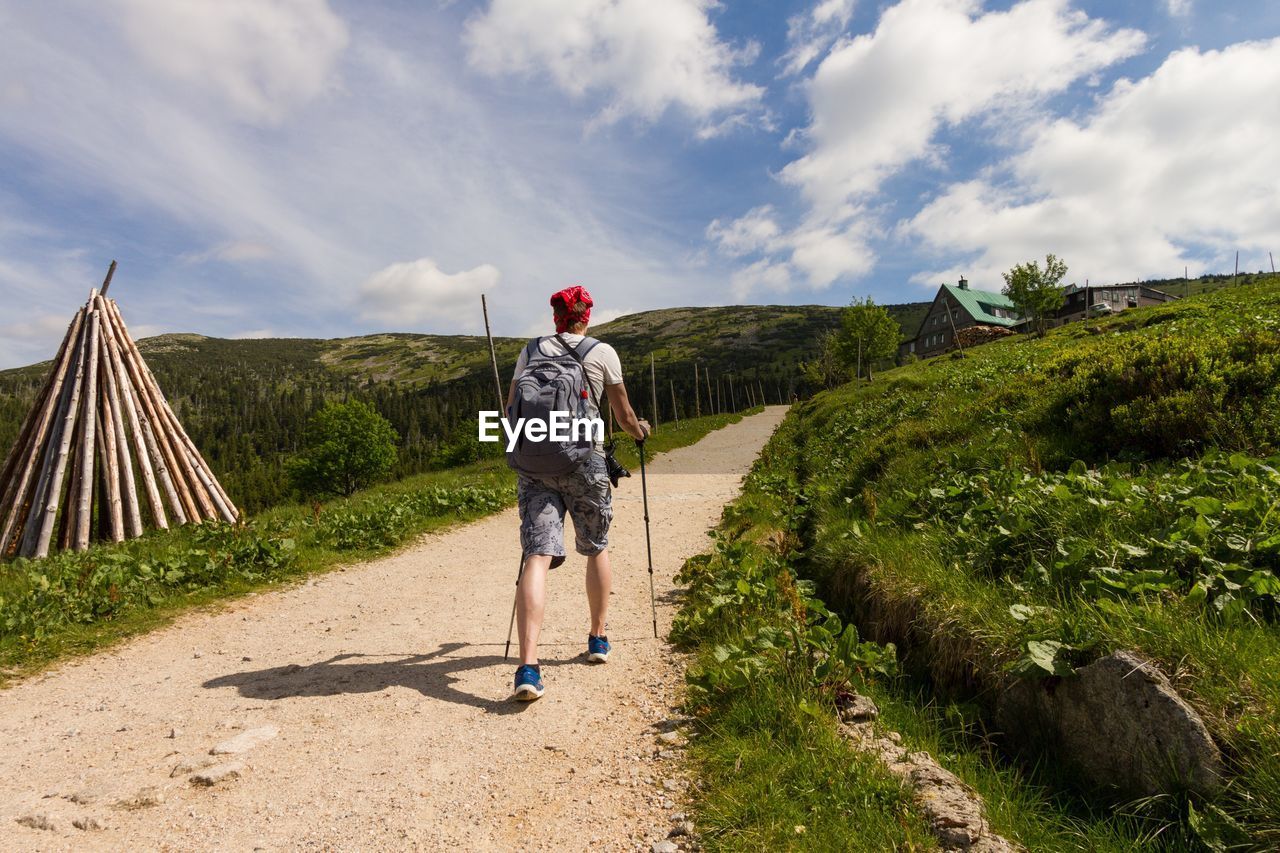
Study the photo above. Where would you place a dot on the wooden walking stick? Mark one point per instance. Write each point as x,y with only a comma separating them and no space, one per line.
497,387
648,545
653,390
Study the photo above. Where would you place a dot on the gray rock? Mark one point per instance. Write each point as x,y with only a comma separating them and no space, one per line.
859,709
218,773
1120,725
672,738
665,847
37,821
245,741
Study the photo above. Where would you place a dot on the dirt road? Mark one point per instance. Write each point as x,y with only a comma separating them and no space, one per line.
368,708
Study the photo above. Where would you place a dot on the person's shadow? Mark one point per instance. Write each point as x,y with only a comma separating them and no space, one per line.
431,674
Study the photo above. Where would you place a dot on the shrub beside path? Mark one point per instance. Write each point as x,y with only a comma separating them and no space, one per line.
369,707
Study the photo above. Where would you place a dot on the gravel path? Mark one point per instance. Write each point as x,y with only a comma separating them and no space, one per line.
368,708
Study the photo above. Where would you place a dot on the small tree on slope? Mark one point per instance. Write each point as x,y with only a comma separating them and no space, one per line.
349,446
868,332
1036,292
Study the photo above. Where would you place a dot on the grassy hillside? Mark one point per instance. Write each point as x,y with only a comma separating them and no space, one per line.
1038,503
245,402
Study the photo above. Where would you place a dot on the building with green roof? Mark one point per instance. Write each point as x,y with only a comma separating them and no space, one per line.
956,307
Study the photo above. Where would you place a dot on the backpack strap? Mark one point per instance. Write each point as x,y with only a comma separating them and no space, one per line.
579,354
585,346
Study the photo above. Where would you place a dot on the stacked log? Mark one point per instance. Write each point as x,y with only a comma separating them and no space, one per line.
971,336
99,441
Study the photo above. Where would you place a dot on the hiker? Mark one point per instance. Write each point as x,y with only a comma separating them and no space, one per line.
584,492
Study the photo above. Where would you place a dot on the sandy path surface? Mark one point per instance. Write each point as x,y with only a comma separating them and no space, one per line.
381,701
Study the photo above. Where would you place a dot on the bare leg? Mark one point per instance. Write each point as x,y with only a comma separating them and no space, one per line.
531,598
599,580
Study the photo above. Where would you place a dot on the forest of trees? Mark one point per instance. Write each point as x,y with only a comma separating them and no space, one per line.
246,403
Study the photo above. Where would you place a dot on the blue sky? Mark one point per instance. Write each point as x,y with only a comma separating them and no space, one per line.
325,168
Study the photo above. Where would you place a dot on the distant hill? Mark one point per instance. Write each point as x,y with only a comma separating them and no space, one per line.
245,402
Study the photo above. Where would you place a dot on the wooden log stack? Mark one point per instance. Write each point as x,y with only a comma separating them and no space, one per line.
100,442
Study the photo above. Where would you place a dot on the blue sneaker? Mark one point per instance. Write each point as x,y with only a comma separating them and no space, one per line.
597,649
528,682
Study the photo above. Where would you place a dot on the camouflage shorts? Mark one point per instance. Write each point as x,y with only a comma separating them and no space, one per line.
584,494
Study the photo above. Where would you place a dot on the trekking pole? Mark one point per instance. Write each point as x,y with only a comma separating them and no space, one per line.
644,490
497,386
512,625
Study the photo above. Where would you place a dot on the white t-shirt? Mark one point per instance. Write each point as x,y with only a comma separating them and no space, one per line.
601,364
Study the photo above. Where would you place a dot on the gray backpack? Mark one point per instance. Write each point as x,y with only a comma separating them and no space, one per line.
551,383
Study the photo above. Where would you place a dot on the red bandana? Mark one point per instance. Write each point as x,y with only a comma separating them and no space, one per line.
570,307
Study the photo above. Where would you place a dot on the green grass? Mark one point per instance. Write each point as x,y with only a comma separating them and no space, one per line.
1031,804
76,604
1109,486
776,778
767,750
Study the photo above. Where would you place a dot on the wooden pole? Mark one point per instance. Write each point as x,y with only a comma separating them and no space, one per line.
675,413
143,443
733,397
760,385
45,507
120,467
221,505
106,282
111,509
493,359
653,391
697,395
153,400
1273,262
108,417
19,491
160,452
71,502
89,435
711,403
24,436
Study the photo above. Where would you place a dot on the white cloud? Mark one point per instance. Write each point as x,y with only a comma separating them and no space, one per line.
414,292
234,251
810,34
814,252
1171,168
761,276
254,334
410,156
260,57
43,327
645,55
1178,8
878,100
756,231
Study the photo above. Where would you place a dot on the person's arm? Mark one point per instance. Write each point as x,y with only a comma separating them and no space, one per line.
626,416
